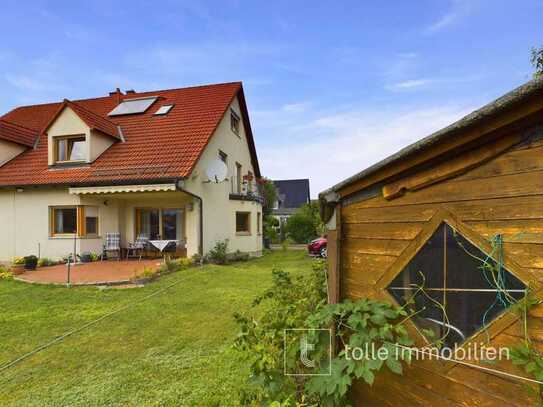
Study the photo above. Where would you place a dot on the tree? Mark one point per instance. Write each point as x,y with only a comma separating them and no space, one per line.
537,61
305,224
269,193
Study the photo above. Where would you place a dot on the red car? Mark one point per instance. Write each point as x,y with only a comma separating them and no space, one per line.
318,247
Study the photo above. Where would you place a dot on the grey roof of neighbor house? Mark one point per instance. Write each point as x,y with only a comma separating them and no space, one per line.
492,109
292,193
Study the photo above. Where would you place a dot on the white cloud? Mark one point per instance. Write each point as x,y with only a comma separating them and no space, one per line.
332,147
295,107
410,84
459,9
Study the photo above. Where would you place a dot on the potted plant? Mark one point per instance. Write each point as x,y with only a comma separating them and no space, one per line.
17,265
86,257
30,262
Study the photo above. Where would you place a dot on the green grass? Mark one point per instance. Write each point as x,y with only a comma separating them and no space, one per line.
173,349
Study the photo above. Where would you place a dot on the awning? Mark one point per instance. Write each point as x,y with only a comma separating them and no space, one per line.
116,189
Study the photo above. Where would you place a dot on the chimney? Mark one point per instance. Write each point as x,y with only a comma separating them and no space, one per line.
130,91
118,94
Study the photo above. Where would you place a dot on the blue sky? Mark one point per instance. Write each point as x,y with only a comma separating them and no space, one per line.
331,87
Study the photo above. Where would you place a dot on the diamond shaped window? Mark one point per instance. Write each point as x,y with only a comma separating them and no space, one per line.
451,291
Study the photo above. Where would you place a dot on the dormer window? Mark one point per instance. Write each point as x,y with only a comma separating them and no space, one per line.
70,149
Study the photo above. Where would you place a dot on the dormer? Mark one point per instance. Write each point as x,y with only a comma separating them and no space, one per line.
78,136
14,140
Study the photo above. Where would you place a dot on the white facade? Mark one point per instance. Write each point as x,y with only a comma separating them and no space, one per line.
25,214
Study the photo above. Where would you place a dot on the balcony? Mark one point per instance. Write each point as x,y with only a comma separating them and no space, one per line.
245,190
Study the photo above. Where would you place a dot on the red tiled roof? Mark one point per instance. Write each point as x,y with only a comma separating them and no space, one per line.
155,147
94,121
17,133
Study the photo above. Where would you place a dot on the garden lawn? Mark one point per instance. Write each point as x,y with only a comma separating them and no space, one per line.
172,349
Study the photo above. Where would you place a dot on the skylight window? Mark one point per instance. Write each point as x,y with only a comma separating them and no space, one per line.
133,106
163,110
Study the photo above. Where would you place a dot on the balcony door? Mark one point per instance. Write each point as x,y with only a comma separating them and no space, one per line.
160,224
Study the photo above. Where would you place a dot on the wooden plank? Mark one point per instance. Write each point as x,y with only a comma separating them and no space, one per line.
512,231
515,161
505,118
450,168
527,255
365,268
375,246
399,231
506,186
511,208
412,213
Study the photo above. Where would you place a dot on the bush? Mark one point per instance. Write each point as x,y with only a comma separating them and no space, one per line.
286,305
5,274
305,224
219,255
18,261
148,273
239,256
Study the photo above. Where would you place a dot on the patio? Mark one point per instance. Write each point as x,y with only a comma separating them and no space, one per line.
96,273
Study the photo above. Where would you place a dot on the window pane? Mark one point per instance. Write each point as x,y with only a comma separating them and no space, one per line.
149,223
468,312
76,149
65,220
427,265
61,150
242,222
465,268
171,224
91,226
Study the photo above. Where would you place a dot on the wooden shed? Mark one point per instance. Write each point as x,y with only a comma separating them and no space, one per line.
432,214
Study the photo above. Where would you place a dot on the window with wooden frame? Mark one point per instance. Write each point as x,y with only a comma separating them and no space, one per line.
160,223
234,122
70,149
453,288
243,223
72,220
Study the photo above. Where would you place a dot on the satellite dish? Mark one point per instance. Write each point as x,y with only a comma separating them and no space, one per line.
217,171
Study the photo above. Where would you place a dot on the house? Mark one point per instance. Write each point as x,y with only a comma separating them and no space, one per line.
439,215
291,195
133,163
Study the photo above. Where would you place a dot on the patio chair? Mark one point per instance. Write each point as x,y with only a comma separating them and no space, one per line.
136,249
113,244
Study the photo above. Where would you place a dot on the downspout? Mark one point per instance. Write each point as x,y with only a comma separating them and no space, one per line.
178,184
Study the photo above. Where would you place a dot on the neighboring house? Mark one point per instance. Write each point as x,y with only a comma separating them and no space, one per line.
291,195
453,226
133,163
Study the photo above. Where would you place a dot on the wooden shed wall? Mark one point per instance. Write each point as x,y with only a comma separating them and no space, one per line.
505,196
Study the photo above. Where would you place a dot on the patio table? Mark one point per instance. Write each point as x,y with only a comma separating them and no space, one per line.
161,244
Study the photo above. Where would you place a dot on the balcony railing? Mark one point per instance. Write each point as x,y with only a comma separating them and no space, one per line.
243,189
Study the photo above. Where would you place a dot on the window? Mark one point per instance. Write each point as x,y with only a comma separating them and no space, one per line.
158,224
70,220
239,178
259,223
449,290
70,149
91,220
243,223
133,106
223,156
234,122
163,110
64,221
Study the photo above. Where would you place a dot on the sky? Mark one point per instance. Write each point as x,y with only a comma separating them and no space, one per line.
332,87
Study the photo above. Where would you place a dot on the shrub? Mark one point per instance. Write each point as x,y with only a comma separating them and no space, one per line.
146,273
5,274
45,261
239,256
218,255
94,256
18,261
305,224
